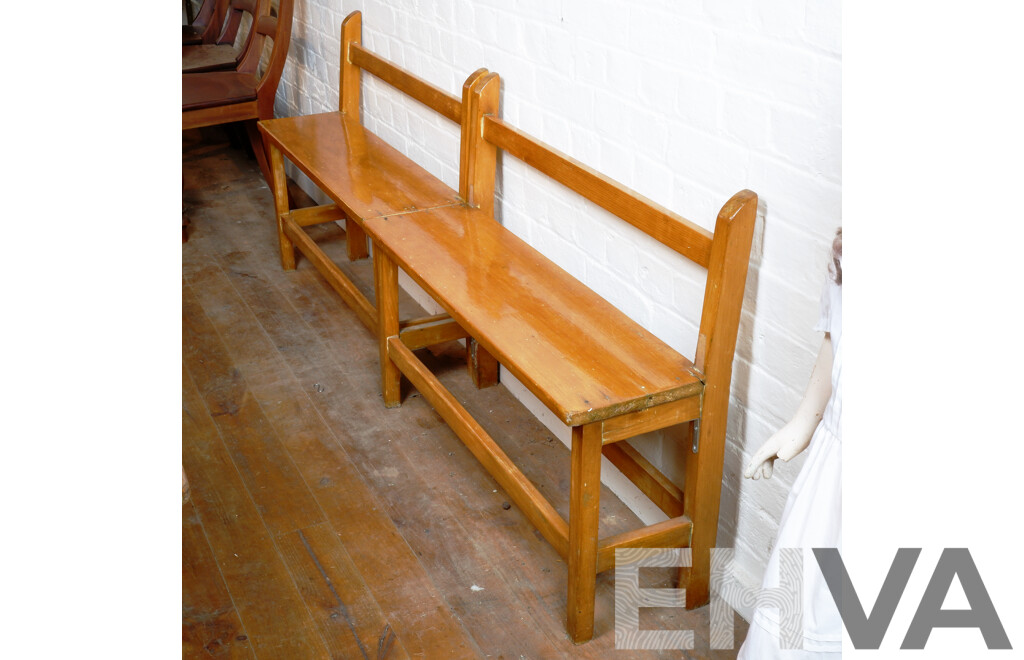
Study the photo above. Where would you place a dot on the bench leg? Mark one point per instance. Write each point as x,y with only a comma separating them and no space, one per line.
355,240
385,280
584,500
483,367
281,207
703,487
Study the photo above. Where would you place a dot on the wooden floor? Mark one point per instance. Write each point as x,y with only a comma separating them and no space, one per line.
320,524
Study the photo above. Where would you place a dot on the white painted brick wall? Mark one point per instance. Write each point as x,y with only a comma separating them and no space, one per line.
685,101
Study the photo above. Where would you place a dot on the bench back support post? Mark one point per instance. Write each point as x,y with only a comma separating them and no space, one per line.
480,98
252,47
348,81
716,346
279,29
233,22
477,164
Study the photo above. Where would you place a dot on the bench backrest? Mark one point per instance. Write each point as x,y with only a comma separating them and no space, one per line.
233,22
279,29
724,253
355,59
211,18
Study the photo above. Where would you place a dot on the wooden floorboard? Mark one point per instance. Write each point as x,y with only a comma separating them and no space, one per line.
369,532
339,600
209,622
270,607
411,600
282,497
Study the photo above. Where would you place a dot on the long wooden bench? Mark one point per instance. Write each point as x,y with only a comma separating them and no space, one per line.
600,372
597,370
364,177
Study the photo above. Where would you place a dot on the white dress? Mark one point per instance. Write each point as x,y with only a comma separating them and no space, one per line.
812,519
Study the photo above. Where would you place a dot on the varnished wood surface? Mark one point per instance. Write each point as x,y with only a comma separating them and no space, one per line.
582,357
719,327
688,239
349,88
650,480
207,24
225,54
584,502
429,95
386,507
334,275
239,103
360,172
209,57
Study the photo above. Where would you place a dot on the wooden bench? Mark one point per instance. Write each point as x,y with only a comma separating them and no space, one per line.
364,177
246,94
224,54
597,370
600,372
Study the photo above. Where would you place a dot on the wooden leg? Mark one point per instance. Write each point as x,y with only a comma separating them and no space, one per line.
258,149
355,240
385,280
584,496
483,367
702,492
281,207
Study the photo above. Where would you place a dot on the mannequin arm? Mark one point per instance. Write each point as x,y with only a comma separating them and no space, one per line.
794,437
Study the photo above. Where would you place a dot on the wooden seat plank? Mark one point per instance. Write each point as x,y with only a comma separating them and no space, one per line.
583,358
212,90
209,57
359,171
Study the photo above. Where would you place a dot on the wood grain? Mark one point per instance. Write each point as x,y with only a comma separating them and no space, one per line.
583,358
719,327
209,621
413,610
651,419
385,283
349,77
268,604
350,620
412,86
690,240
656,486
584,500
361,173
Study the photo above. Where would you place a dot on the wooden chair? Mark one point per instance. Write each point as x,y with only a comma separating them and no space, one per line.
229,50
244,95
206,26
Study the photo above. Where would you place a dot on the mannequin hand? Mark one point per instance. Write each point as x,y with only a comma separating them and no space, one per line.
794,437
784,444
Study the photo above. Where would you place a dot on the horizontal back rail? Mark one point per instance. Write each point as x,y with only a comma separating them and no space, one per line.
678,233
433,97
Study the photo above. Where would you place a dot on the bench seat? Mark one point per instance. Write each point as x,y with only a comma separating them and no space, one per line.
363,177
582,357
599,372
212,90
361,173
